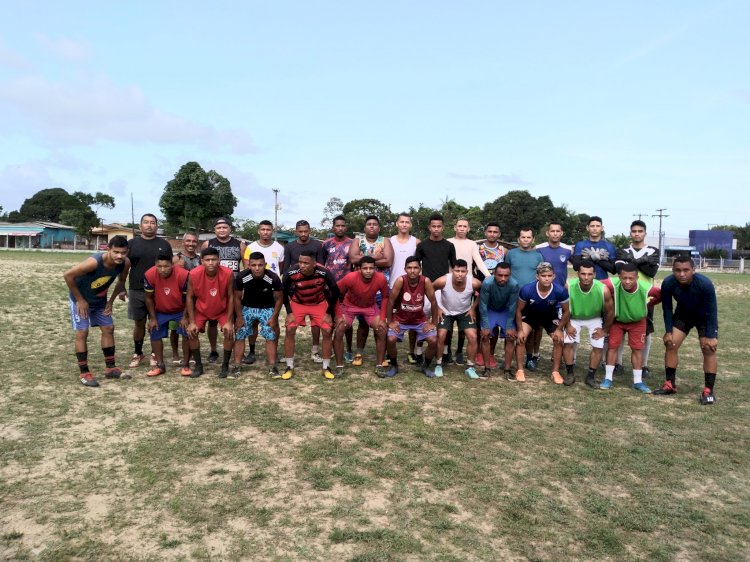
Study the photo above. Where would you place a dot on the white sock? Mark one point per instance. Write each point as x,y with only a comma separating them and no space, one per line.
418,350
315,349
326,362
637,376
289,362
446,349
609,371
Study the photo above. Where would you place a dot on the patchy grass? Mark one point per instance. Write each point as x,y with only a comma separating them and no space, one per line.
358,469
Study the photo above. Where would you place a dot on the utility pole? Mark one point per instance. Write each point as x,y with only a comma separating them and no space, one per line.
275,212
639,215
661,215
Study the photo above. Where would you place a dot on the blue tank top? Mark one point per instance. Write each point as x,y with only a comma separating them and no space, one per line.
94,285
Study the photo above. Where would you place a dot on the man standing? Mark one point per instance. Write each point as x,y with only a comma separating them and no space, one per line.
542,304
359,291
143,251
88,283
166,289
696,308
404,246
336,250
257,302
596,249
491,251
292,253
498,299
210,297
188,259
555,252
309,290
408,297
632,297
457,304
589,301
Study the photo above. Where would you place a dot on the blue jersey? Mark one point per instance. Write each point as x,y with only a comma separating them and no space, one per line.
601,253
696,302
559,258
523,265
542,306
94,285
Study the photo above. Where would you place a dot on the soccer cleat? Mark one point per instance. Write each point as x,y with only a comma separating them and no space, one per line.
357,361
479,360
471,372
666,389
249,358
429,373
87,379
348,356
532,364
492,364
224,372
176,361
186,371
641,387
438,371
556,377
510,375
520,375
487,373
213,357
316,357
157,370
287,374
570,379
459,360
591,380
707,397
235,372
135,361
112,373
646,372
273,372
606,384
411,359
197,371
327,374
152,361
618,370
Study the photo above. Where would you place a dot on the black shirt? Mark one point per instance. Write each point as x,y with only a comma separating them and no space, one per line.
437,257
294,250
143,254
257,293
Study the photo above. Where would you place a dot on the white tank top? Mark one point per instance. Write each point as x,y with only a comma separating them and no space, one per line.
400,253
454,303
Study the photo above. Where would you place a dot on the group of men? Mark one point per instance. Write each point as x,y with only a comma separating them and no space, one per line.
394,286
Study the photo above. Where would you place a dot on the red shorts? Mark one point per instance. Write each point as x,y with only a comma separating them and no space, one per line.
636,334
316,312
349,313
201,320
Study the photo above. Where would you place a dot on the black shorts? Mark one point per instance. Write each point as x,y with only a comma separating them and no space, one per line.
550,322
685,324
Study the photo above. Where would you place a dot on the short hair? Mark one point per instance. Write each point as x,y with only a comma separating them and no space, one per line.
526,229
492,223
265,222
411,259
309,254
638,222
460,263
684,258
372,218
118,241
257,256
436,217
190,233
153,216
302,222
210,251
407,215
503,265
544,267
628,266
338,218
367,259
558,223
588,264
163,256
462,219
594,219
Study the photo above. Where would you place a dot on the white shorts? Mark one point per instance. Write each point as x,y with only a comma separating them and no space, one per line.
591,325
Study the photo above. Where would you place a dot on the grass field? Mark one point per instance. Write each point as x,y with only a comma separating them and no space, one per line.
361,468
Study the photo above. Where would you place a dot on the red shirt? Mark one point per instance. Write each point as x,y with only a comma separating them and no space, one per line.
211,296
410,303
169,293
361,294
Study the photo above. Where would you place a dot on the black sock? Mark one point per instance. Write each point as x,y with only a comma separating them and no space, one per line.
83,361
109,356
138,347
197,357
227,357
710,380
394,362
427,362
592,372
252,348
529,357
671,374
570,368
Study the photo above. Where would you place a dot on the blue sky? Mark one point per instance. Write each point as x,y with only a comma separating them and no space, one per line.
611,108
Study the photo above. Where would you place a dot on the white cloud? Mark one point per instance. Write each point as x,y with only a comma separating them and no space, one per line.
20,181
100,110
503,179
64,47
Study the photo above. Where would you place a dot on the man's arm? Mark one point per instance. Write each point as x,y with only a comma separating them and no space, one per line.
229,288
287,288
479,262
666,305
119,287
712,312
452,256
244,259
387,259
355,253
484,299
430,294
395,292
333,293
86,266
239,321
385,298
439,283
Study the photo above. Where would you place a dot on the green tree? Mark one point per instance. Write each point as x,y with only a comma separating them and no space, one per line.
247,229
194,198
357,210
46,205
334,207
741,234
518,209
420,220
83,219
619,240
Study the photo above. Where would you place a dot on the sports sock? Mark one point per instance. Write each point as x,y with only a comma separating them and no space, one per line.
252,348
609,371
710,380
637,376
289,362
315,349
394,362
418,350
569,368
138,344
326,363
227,357
83,361
592,371
529,357
671,374
109,356
197,357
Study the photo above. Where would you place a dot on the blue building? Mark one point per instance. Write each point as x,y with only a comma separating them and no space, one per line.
703,240
37,234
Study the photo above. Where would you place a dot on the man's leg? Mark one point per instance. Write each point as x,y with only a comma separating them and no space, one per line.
315,350
213,334
338,341
174,341
671,361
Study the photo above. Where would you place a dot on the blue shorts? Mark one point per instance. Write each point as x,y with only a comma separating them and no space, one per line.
262,315
418,328
164,319
96,317
497,318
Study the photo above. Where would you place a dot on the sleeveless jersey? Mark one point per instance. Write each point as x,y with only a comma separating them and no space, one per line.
400,253
94,285
230,254
630,307
454,303
585,305
190,263
492,256
410,303
369,249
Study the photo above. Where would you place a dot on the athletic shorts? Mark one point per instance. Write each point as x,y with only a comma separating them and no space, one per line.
463,321
201,320
316,312
137,304
636,334
418,328
685,324
369,315
497,319
262,315
591,324
96,317
164,321
549,322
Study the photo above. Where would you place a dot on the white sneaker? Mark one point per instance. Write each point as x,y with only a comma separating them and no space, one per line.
153,362
316,357
135,361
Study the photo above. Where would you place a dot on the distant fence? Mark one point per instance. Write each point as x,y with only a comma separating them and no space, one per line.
719,264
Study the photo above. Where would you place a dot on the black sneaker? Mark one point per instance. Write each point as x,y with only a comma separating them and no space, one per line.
235,372
87,379
213,357
197,371
666,389
487,373
459,360
570,379
249,359
646,372
273,372
707,397
224,372
510,375
532,364
591,380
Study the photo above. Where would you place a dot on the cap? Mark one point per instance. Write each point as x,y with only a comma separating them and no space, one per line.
222,220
